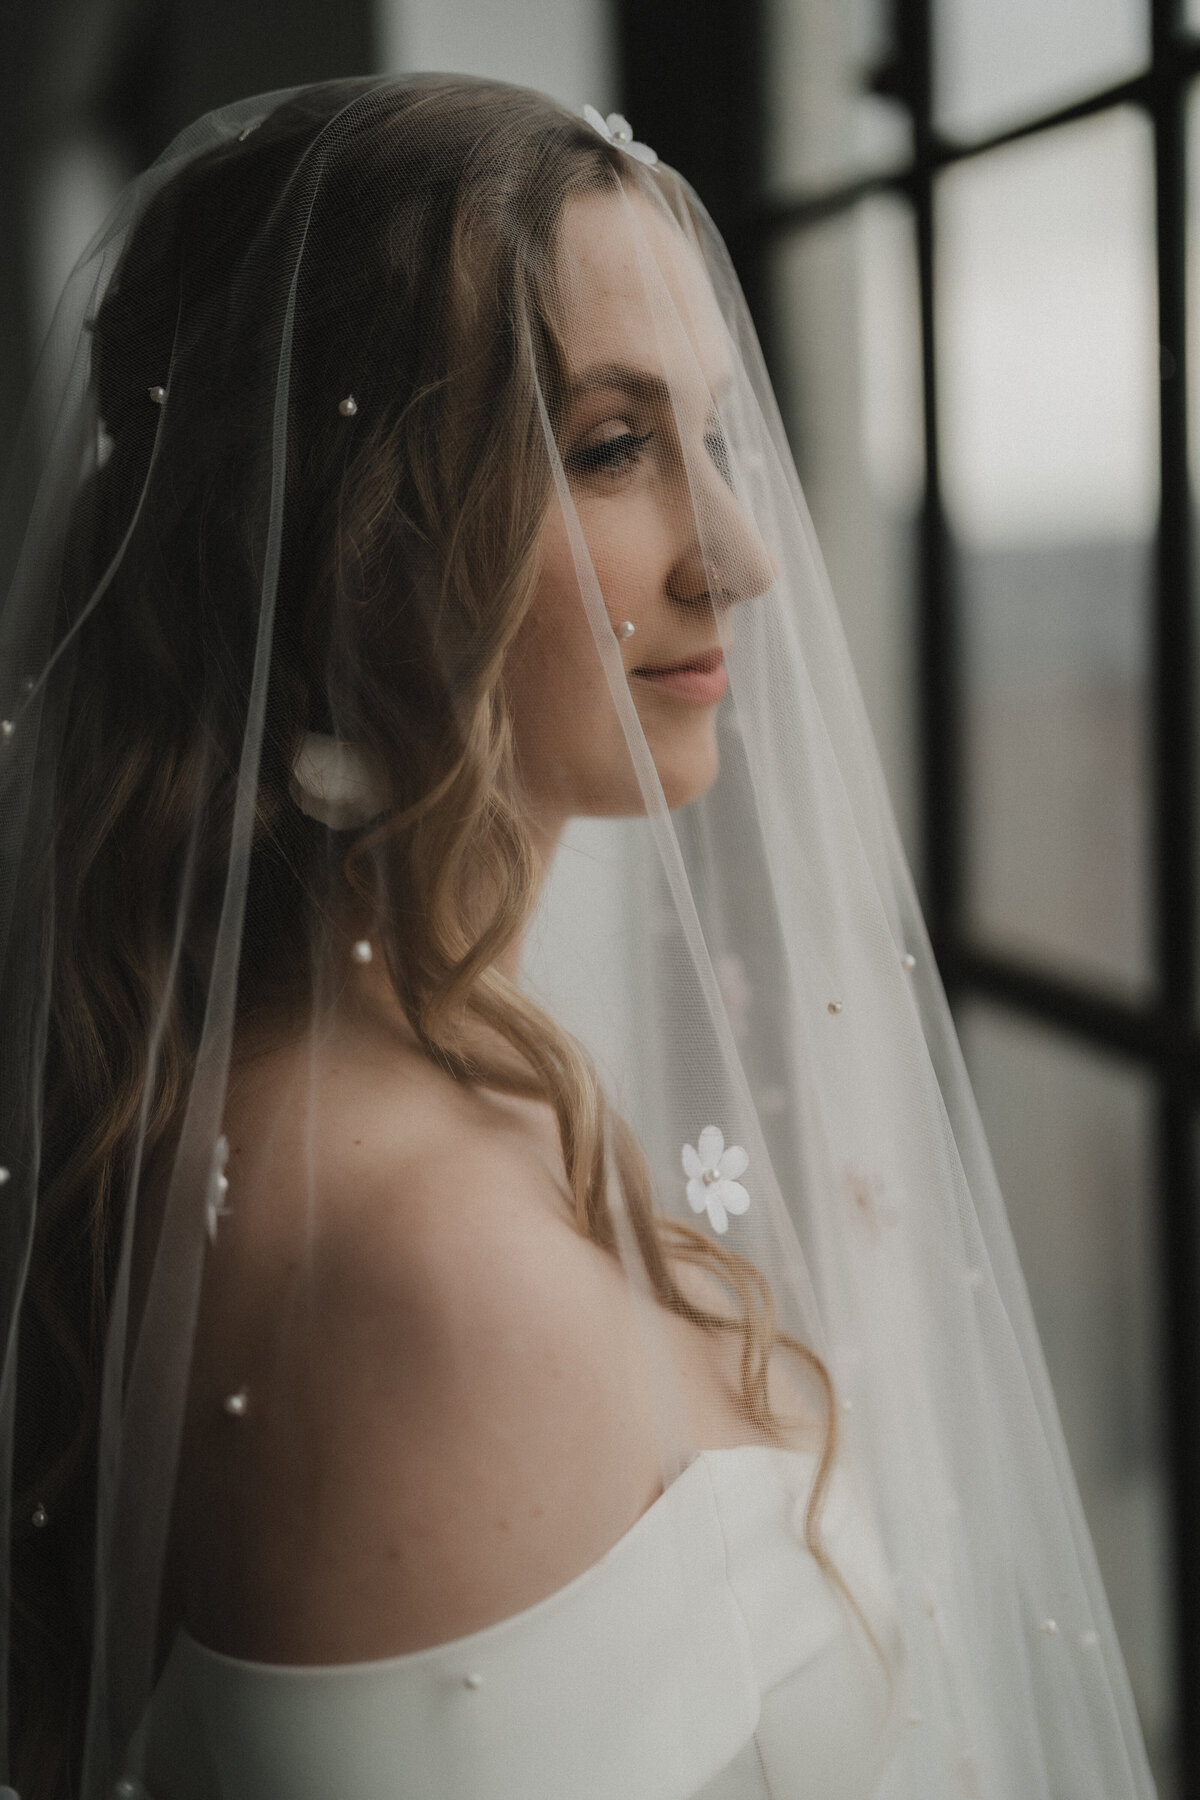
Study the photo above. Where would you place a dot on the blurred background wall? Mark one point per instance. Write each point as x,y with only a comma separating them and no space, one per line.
968,230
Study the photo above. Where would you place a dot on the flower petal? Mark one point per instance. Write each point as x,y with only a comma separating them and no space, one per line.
716,1212
731,1194
691,1162
596,121
735,1161
710,1145
641,153
337,784
619,127
697,1195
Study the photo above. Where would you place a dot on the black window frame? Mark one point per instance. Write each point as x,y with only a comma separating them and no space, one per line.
693,83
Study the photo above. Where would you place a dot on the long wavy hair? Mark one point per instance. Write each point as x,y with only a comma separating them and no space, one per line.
409,545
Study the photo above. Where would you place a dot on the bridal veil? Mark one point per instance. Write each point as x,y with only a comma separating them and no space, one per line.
240,674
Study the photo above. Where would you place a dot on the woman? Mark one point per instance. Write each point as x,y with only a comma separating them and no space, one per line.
430,1428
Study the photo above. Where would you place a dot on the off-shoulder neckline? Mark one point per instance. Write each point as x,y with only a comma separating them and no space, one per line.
475,1640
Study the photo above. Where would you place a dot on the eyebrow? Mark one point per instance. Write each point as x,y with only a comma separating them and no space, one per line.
637,384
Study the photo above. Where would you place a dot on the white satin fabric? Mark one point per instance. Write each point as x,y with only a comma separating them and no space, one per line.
705,1657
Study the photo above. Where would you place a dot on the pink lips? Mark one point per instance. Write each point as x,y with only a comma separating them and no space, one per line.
701,679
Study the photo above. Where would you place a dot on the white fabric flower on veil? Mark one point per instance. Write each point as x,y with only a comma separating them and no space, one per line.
710,1169
617,130
336,783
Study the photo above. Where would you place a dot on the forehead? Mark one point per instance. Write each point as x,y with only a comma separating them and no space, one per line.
636,293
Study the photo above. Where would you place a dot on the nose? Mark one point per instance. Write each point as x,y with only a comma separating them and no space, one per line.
722,559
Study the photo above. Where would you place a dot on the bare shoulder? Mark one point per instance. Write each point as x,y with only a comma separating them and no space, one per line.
442,1419
710,1361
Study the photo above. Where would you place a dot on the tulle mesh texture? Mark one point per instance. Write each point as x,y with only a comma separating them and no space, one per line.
307,419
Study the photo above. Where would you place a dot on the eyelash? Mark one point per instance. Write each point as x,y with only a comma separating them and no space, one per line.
617,455
612,457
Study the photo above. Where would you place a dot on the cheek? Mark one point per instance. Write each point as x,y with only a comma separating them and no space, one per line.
571,749
570,745
632,548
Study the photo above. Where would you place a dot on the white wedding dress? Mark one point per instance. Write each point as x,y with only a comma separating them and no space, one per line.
705,1657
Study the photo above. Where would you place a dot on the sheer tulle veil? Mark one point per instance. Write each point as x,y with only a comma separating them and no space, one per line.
297,429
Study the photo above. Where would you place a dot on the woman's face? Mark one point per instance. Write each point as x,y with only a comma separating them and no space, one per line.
645,463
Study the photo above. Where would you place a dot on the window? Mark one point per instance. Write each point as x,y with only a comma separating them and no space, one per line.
970,232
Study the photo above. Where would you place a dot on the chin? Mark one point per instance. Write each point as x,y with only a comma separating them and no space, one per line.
605,786
688,769
682,793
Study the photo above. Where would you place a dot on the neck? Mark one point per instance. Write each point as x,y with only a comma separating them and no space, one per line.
370,979
545,834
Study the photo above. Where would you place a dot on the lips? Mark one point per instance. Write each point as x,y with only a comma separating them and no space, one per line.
700,679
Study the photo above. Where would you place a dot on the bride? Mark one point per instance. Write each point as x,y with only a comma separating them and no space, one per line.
419,1395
